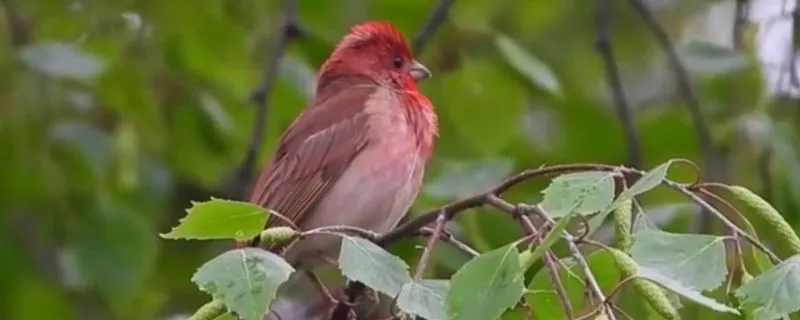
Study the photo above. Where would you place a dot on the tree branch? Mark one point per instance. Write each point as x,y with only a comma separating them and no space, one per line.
289,29
451,240
606,52
18,30
435,19
712,165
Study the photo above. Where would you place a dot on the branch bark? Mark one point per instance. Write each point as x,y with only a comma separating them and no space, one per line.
606,51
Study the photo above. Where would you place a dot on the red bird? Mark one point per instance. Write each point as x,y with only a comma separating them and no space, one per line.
356,155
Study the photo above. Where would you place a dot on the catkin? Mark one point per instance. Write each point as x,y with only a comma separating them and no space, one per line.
276,235
762,208
622,224
655,295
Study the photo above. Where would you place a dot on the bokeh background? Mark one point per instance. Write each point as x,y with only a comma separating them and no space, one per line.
115,114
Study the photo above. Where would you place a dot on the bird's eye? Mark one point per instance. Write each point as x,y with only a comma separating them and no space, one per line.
397,61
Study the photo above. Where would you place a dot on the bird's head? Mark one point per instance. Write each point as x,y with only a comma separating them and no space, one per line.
377,50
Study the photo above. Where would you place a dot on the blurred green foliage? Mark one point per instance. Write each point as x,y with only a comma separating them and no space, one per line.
115,114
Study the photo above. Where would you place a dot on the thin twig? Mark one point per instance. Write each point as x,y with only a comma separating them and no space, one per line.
341,229
426,255
550,259
451,240
581,260
435,19
289,29
606,52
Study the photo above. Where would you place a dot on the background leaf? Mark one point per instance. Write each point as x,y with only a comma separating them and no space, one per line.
61,60
707,57
537,72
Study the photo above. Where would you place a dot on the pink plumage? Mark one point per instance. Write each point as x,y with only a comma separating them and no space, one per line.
356,155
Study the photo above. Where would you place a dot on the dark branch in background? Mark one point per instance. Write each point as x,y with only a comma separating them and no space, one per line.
435,19
712,164
606,51
740,22
288,30
682,77
18,30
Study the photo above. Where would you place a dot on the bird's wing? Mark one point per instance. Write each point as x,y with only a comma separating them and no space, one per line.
312,155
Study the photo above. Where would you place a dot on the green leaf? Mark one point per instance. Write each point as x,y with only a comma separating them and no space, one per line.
91,142
486,286
709,58
684,291
34,298
424,298
467,104
220,219
61,60
115,250
537,72
694,260
583,192
363,261
648,181
246,280
773,294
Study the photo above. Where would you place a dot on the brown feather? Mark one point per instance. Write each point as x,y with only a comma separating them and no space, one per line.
313,153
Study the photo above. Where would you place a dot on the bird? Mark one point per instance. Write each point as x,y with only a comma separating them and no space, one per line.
356,155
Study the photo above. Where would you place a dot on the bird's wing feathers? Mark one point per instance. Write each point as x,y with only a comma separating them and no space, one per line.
312,155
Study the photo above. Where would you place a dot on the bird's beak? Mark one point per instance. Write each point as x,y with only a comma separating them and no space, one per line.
418,71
